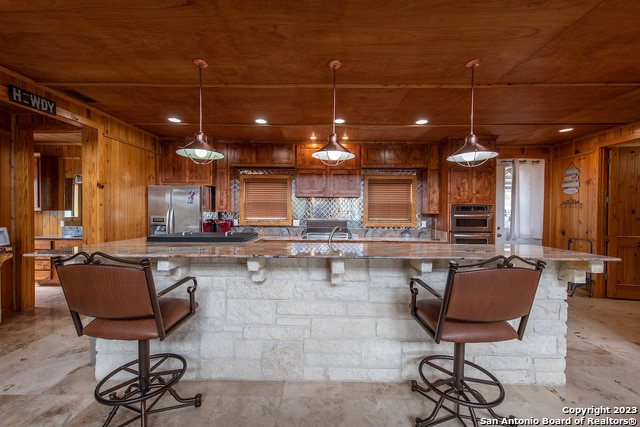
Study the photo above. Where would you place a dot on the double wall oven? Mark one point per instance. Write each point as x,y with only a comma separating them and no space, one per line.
472,224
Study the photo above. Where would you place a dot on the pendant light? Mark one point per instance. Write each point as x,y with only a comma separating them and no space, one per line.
333,154
472,153
199,150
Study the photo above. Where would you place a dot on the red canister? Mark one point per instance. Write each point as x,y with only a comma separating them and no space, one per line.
224,225
208,226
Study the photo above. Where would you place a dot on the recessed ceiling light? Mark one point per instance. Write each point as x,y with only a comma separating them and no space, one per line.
565,130
313,136
261,121
174,120
422,122
339,121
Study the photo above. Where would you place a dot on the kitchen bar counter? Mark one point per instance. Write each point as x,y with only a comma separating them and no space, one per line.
297,247
296,309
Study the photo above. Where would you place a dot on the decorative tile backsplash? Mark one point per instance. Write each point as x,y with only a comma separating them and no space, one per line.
71,231
350,209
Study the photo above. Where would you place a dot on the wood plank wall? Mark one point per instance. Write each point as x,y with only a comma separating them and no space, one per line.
6,171
588,219
118,162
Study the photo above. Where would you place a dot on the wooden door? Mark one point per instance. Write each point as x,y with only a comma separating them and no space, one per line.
623,223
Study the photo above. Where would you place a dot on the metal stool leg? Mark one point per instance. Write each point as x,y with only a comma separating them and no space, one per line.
457,388
150,378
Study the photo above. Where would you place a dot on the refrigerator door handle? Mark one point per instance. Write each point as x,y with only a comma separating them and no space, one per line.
171,224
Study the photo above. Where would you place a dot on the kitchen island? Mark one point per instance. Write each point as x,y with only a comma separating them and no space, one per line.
295,309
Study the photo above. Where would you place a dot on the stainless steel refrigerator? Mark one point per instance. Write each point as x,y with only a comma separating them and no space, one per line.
174,209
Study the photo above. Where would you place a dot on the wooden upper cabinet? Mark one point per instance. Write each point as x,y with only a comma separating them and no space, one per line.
304,160
471,185
373,156
261,155
176,169
397,156
310,183
315,179
51,183
344,183
328,183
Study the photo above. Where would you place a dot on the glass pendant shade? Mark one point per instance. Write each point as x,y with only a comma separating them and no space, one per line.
333,153
472,153
199,150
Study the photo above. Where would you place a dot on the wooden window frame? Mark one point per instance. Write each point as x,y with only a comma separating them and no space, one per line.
405,202
280,213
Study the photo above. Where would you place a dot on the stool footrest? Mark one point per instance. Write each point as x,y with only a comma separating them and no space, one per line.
462,390
139,390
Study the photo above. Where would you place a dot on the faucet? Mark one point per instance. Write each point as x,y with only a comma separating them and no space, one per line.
331,250
336,228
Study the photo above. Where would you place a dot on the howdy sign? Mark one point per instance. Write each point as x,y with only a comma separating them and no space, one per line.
21,96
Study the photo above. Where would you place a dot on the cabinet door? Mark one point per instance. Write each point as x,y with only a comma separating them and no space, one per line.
51,184
373,156
173,168
42,265
66,243
415,156
483,183
262,155
281,155
310,182
395,155
430,191
42,268
304,159
200,174
176,169
344,183
459,185
223,190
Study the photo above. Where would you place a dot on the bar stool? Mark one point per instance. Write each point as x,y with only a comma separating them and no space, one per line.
478,302
119,296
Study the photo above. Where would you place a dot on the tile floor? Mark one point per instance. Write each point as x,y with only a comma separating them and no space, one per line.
46,379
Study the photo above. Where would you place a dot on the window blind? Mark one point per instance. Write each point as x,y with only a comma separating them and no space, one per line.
389,200
265,200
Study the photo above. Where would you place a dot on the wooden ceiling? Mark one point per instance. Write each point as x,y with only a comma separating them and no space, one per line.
546,65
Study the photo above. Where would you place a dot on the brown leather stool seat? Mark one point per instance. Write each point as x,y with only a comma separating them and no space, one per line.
478,303
120,299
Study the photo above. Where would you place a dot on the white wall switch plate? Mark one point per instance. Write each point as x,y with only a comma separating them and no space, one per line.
296,223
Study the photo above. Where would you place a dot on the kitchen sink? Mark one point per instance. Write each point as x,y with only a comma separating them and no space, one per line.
203,237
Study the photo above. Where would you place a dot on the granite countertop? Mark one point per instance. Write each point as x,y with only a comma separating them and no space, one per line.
355,239
58,237
362,249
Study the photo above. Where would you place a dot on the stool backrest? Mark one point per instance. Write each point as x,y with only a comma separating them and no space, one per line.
501,293
106,287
